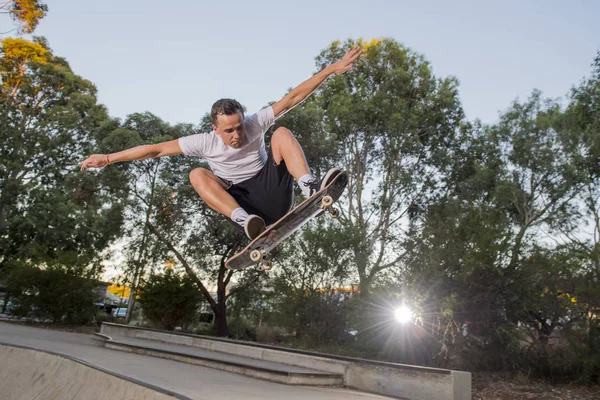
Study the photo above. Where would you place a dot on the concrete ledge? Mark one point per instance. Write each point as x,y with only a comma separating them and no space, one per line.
100,337
27,373
270,374
396,380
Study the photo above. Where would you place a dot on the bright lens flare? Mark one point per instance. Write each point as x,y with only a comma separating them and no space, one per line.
403,314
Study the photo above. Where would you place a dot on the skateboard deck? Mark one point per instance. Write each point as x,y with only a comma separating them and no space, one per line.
257,251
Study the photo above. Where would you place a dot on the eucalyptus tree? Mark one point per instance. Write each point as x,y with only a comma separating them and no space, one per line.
582,141
169,219
142,180
393,122
50,214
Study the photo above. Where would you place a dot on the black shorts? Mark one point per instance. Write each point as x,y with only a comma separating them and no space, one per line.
269,194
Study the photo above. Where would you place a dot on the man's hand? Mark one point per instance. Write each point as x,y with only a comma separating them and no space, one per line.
302,91
347,61
95,161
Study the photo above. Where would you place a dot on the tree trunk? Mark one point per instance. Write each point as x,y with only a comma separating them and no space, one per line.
141,261
218,307
221,320
221,309
364,287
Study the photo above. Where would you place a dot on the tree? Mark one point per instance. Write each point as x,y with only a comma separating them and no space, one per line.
309,282
169,299
167,217
26,13
50,214
207,241
51,294
581,139
480,254
392,120
143,180
537,186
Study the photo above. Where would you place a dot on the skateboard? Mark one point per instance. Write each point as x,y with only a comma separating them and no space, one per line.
257,251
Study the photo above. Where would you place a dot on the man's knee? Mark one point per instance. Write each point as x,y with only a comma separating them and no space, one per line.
204,180
282,134
199,175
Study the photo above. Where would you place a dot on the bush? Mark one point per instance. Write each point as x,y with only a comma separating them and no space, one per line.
201,328
169,300
588,352
241,328
53,294
266,334
103,316
575,357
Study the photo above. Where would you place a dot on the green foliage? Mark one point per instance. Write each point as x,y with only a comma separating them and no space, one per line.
148,185
169,300
50,214
241,328
393,122
493,292
452,215
52,294
582,143
266,334
307,296
102,316
574,358
587,351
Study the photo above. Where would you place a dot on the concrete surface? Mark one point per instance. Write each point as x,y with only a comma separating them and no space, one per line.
272,371
396,380
195,382
32,374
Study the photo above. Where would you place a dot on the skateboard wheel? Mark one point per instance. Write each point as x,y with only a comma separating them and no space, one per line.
267,265
255,255
334,212
327,201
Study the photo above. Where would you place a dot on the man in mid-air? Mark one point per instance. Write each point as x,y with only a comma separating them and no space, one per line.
247,183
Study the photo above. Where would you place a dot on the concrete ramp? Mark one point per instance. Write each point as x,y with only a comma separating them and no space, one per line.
290,365
27,373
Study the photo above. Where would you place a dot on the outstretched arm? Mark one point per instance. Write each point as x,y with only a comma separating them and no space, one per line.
135,153
301,92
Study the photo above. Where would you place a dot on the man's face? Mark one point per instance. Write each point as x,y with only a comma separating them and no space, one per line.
231,129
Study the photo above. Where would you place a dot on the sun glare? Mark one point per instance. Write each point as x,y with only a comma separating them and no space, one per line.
403,314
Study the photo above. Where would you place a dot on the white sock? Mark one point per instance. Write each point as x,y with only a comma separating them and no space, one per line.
239,216
304,184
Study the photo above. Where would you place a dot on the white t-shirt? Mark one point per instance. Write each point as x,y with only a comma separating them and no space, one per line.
235,165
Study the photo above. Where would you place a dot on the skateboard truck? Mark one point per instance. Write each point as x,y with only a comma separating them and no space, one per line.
260,256
326,203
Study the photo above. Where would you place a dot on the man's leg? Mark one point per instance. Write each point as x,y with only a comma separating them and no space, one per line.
214,192
284,146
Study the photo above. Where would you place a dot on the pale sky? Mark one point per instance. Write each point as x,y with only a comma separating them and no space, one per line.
175,59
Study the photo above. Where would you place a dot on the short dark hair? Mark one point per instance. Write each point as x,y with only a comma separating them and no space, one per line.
225,107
